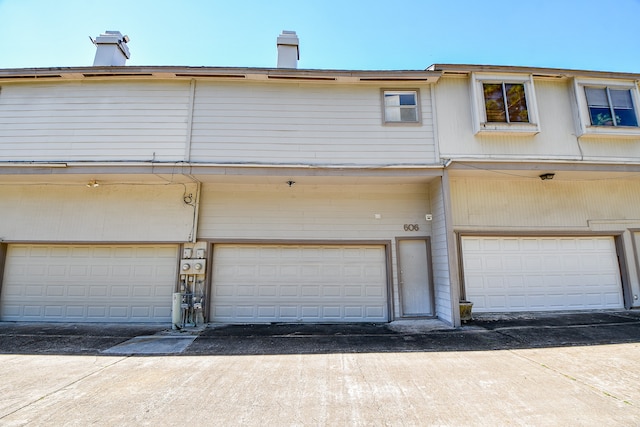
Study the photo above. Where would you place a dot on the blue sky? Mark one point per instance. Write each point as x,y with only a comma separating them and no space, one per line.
334,34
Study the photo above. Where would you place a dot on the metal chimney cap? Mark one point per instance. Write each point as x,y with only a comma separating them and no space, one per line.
111,49
288,38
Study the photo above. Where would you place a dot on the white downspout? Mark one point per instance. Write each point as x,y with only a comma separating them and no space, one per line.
192,97
196,211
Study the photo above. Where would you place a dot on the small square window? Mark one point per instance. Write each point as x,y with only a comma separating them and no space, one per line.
401,107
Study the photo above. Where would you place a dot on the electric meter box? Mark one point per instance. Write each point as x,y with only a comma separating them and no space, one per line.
193,266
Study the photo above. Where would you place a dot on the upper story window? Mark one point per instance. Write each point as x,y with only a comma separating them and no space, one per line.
610,107
504,104
401,106
607,107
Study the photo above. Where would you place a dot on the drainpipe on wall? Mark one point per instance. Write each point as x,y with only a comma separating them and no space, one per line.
196,211
3,256
192,97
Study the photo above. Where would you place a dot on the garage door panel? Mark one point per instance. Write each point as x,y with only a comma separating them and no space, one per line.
513,281
329,290
54,311
268,291
331,312
352,291
35,270
143,311
78,271
541,273
138,291
86,283
330,271
534,281
245,312
612,298
374,291
288,313
298,283
310,291
264,311
375,311
76,291
55,291
354,312
32,312
74,312
517,301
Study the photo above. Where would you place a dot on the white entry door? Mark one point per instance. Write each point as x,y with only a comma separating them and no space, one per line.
414,278
503,274
258,283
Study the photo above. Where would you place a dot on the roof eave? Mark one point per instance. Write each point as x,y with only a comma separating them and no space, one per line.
535,71
239,73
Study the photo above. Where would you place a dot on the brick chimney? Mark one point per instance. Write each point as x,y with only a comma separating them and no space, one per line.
288,50
111,49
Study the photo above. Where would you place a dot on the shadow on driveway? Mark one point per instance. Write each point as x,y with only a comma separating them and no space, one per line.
484,333
487,332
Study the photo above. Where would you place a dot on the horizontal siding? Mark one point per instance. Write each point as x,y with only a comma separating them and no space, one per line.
328,212
313,124
440,254
610,149
556,139
533,203
109,213
98,121
312,212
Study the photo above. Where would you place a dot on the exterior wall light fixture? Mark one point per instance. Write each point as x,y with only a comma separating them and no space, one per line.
546,176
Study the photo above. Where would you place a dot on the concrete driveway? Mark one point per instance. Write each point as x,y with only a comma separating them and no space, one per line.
571,369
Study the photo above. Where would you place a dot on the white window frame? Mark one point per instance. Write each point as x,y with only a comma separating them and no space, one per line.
415,92
479,114
584,128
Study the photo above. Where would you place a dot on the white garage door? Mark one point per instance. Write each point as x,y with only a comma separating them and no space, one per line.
298,283
88,283
503,274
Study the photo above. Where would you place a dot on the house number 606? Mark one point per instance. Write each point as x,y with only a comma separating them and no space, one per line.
411,227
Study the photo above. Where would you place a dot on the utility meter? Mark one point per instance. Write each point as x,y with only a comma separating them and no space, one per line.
193,266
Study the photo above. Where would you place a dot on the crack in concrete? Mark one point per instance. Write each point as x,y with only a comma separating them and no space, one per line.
63,387
598,390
